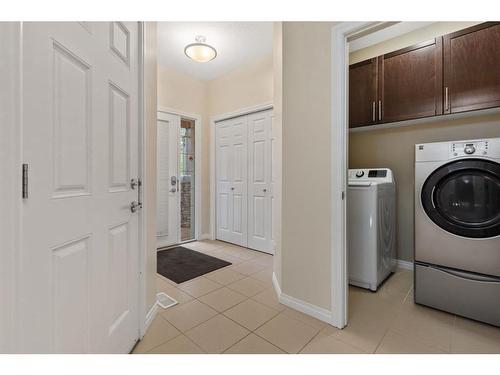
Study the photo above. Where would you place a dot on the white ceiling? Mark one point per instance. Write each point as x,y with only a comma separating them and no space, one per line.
237,44
390,32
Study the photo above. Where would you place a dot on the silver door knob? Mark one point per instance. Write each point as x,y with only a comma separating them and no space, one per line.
134,206
173,190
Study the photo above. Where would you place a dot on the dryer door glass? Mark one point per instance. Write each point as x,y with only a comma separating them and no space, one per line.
469,198
463,197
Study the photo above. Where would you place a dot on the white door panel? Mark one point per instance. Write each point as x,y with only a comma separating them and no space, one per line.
168,203
79,265
244,180
231,177
260,186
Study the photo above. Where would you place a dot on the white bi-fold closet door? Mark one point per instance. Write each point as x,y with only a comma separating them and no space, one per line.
244,178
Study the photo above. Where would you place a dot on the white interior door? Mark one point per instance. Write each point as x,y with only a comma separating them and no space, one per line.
260,184
231,177
168,202
79,272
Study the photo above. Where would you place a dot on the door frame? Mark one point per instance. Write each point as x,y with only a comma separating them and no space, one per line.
339,126
213,120
11,36
198,129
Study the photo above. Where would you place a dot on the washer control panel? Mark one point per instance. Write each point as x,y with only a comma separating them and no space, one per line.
469,148
371,175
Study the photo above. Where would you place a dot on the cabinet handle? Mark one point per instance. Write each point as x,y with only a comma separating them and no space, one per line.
373,111
380,110
446,103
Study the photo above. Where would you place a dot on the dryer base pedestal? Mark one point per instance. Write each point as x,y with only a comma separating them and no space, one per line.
470,295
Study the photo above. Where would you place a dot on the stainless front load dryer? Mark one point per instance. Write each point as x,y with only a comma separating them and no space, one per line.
457,227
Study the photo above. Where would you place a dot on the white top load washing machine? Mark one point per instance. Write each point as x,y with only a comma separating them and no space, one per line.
371,211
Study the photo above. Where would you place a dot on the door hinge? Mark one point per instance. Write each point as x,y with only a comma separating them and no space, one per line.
343,195
25,182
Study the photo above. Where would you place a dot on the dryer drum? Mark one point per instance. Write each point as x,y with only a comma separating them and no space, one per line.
463,198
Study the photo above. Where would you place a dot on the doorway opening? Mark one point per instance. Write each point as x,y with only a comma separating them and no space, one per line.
367,90
177,182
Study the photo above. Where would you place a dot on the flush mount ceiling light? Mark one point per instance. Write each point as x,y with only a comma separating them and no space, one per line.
200,51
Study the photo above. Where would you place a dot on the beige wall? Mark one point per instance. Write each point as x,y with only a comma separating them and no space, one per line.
394,148
306,219
408,39
244,87
150,103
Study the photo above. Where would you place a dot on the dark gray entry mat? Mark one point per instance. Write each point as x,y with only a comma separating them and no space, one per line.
180,264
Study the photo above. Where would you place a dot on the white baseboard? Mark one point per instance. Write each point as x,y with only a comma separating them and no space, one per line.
302,306
404,264
149,318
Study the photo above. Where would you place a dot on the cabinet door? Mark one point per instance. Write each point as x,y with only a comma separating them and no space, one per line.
411,84
363,93
471,68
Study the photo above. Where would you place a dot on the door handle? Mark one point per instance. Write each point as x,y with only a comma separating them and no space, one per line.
173,190
380,110
232,188
373,111
264,190
446,103
134,206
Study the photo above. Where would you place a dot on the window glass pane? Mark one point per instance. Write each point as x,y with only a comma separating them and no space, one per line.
186,176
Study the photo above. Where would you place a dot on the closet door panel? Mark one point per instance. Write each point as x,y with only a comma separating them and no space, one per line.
239,181
260,186
223,180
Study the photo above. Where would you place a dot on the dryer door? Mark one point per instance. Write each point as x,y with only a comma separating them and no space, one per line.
463,198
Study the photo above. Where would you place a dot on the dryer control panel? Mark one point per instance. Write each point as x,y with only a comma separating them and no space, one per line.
469,148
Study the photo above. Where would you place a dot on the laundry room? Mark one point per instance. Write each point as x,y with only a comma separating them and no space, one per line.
413,84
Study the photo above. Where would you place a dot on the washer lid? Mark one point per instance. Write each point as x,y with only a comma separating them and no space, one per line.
463,198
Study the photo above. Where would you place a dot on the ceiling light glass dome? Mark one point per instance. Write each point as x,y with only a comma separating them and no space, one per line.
200,51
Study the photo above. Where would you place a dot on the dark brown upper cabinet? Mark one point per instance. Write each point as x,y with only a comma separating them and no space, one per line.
411,82
363,87
472,68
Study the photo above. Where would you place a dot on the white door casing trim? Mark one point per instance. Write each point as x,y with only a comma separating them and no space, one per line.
213,120
13,47
339,156
198,139
143,213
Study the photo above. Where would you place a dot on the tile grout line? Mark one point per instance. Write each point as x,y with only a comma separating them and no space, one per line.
307,343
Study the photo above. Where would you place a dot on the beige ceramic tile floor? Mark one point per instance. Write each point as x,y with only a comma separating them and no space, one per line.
235,310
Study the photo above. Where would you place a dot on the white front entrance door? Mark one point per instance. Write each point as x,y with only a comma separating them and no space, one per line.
260,181
79,272
168,203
